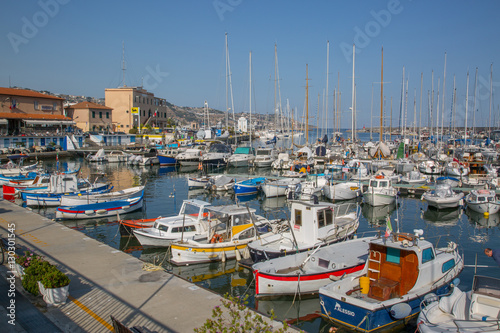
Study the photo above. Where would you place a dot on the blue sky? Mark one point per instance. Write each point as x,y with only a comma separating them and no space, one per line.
177,50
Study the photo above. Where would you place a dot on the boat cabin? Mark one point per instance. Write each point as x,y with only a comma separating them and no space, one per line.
482,196
380,182
232,222
400,262
312,222
485,298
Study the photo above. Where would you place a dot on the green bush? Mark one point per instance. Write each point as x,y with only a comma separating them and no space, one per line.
54,278
33,274
237,318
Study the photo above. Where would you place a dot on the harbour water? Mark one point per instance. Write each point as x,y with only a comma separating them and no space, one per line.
166,188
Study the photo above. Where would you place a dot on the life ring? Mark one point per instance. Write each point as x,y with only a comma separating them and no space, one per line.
379,177
308,168
216,239
465,165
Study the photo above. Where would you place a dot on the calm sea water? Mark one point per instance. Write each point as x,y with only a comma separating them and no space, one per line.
166,188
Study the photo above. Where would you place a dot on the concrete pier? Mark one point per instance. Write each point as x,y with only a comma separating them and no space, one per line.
106,281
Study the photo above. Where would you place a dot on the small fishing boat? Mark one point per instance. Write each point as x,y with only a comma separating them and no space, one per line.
242,157
474,311
380,192
191,156
198,182
401,269
312,224
430,167
277,188
456,169
264,157
282,162
249,186
443,197
305,272
404,165
231,228
117,157
90,198
414,178
452,181
185,225
168,157
220,183
216,155
98,157
101,209
483,201
343,191
475,182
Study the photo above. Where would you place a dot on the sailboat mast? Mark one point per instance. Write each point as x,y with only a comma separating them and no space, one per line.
275,83
250,94
444,86
307,107
491,93
474,109
420,106
228,62
327,73
466,108
227,95
353,134
371,117
381,97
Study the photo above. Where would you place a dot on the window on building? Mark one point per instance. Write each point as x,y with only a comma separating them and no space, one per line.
107,115
54,105
93,114
100,114
35,105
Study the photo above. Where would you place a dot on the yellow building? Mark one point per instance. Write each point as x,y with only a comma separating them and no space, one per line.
90,116
153,110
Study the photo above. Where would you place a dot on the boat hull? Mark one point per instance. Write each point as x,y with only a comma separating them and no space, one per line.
378,199
484,207
104,209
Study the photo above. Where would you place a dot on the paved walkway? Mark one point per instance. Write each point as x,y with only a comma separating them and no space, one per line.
106,281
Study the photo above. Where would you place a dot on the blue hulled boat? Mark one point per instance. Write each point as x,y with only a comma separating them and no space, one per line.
249,186
400,271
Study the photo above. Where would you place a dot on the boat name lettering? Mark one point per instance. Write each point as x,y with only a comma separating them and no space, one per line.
344,311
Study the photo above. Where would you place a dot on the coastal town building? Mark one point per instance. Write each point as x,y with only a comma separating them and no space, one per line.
26,111
90,116
135,105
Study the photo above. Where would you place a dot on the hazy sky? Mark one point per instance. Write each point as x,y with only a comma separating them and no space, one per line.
176,49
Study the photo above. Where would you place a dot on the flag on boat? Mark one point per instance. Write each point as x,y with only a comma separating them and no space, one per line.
388,229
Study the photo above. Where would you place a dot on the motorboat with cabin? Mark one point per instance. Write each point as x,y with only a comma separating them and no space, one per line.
380,191
483,201
400,271
443,197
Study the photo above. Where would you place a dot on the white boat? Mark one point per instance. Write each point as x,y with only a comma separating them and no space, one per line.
401,269
456,169
311,225
313,186
430,167
475,182
98,157
190,157
242,157
305,272
231,229
483,201
220,183
264,157
282,162
190,223
380,192
216,156
277,188
89,198
414,178
343,191
443,197
404,166
197,182
117,157
469,312
101,209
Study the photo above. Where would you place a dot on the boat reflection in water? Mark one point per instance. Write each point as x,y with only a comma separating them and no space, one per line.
285,309
482,221
377,215
442,217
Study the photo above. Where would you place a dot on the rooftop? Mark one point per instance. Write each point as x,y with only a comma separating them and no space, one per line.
88,105
26,93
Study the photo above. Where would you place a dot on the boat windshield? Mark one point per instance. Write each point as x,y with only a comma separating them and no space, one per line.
487,285
190,209
263,152
242,150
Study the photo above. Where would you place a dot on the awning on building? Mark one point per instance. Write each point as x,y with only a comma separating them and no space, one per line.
49,122
3,122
